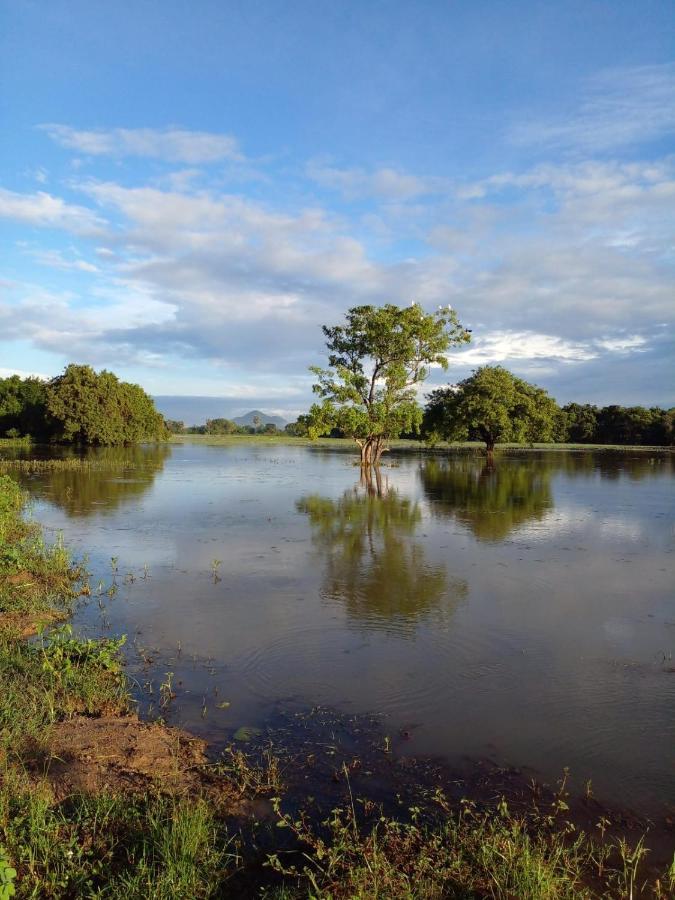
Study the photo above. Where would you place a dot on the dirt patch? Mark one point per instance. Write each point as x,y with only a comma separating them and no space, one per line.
25,625
116,754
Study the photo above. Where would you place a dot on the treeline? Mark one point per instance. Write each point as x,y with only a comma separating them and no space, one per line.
635,425
494,406
80,406
222,426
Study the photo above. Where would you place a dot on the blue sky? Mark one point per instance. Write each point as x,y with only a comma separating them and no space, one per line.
188,191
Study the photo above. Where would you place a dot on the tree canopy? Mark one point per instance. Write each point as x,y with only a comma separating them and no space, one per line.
91,407
376,360
491,405
23,406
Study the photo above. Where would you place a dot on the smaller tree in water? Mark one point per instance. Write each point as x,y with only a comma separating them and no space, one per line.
376,360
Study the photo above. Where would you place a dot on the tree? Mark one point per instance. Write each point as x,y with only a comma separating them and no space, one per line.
582,422
256,423
87,407
298,428
175,426
23,406
376,360
491,405
221,426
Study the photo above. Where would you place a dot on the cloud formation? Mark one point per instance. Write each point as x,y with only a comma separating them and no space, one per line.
564,268
169,144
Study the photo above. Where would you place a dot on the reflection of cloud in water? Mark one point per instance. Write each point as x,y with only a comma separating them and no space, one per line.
577,520
373,565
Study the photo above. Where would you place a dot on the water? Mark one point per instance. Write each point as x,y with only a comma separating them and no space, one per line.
525,613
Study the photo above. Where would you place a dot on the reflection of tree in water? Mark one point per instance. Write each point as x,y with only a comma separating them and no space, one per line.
117,475
373,564
490,500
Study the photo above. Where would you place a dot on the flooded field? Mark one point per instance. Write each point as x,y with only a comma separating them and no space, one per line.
524,613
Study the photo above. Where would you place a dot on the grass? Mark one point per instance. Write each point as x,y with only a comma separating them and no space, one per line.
154,846
109,846
73,464
34,577
233,440
16,442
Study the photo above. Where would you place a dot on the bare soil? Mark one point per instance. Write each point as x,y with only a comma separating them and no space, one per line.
25,625
117,754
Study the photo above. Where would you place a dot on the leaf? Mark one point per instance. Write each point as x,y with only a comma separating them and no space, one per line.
246,733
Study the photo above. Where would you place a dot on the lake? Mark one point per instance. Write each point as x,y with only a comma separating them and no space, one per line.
524,613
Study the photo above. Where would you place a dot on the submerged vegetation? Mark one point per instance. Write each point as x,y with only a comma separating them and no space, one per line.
95,803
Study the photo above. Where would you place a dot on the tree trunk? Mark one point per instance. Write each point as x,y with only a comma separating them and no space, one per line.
371,450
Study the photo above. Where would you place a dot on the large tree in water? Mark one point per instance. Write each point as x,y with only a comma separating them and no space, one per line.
375,362
491,405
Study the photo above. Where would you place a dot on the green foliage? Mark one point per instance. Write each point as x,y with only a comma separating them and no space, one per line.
97,408
33,576
470,854
634,425
23,407
62,653
299,428
580,422
375,362
492,405
7,876
144,847
174,426
221,426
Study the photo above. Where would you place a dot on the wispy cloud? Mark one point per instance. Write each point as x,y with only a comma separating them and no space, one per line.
618,107
46,211
384,183
169,144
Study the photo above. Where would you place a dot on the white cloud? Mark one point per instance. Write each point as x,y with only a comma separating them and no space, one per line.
625,344
500,346
619,107
57,260
170,144
384,183
46,211
22,373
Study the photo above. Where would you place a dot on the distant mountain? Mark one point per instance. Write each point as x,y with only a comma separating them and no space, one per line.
196,410
265,418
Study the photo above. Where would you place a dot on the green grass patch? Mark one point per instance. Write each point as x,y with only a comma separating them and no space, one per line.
113,846
34,576
233,440
50,679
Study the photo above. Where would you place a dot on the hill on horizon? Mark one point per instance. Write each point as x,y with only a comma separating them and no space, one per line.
265,418
194,410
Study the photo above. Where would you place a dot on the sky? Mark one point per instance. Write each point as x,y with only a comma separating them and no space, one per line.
188,191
